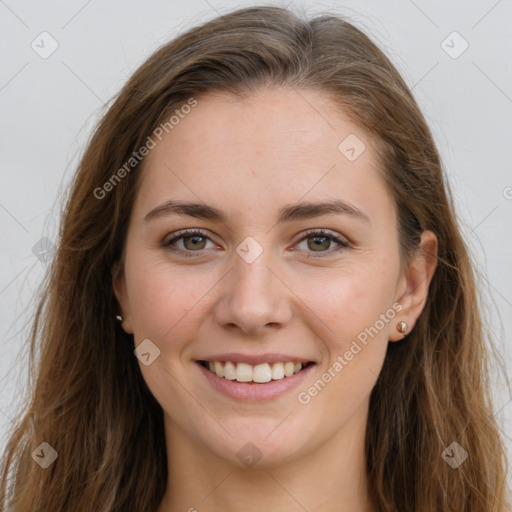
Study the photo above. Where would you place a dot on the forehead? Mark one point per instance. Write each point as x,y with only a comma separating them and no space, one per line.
271,147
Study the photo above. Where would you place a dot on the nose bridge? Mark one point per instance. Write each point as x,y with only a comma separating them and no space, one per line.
252,282
252,296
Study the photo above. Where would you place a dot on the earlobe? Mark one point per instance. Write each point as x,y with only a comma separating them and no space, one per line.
416,280
119,286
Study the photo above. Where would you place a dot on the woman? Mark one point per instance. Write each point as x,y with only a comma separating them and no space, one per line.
261,298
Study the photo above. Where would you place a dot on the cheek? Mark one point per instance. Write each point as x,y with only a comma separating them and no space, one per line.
165,299
346,301
351,305
353,310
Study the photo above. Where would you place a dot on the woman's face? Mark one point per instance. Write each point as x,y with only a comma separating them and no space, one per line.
254,288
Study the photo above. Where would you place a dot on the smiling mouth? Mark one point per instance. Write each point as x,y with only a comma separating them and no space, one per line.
259,374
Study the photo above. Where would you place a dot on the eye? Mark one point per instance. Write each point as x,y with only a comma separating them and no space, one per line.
187,241
320,241
190,241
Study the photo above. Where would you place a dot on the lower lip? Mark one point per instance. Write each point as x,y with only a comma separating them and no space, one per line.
254,392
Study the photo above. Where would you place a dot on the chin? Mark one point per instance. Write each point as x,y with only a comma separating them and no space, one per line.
257,448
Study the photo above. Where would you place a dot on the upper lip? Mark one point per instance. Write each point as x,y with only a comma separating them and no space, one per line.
254,359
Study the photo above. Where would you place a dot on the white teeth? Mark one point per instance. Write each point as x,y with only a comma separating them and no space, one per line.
289,369
229,371
243,372
260,373
218,369
277,371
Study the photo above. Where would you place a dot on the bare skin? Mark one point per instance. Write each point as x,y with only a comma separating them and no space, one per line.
305,296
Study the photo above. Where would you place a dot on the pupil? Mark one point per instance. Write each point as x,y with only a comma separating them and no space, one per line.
318,245
196,241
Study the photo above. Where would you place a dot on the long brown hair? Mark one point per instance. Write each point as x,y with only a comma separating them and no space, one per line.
89,401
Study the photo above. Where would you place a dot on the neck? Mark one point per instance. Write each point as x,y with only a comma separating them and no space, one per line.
332,477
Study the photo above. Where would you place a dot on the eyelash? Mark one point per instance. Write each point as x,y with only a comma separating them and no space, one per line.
342,244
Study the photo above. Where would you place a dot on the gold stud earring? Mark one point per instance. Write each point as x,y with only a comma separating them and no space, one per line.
402,327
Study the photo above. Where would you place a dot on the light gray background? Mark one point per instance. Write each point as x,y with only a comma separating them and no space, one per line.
49,106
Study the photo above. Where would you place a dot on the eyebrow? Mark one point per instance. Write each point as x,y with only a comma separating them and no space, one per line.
287,213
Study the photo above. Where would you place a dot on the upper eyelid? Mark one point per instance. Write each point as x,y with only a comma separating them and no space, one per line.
186,232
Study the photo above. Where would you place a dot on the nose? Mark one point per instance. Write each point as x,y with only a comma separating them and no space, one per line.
253,298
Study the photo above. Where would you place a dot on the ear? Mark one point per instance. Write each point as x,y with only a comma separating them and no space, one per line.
412,290
119,285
